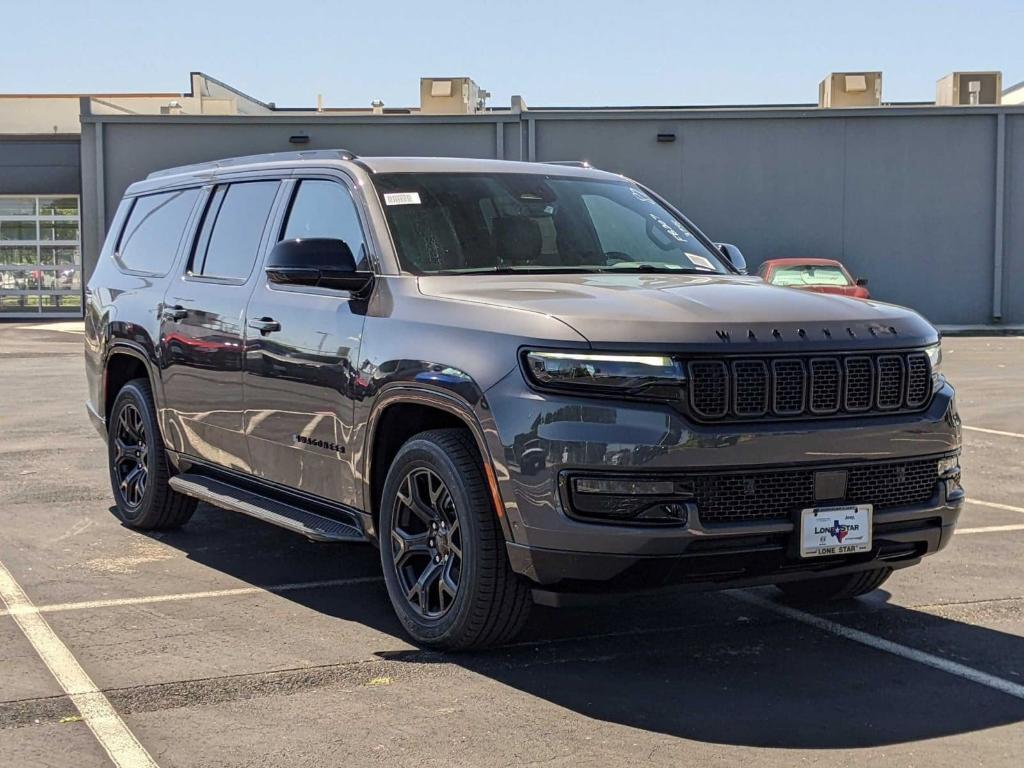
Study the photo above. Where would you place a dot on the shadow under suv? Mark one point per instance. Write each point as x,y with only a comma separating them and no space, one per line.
523,382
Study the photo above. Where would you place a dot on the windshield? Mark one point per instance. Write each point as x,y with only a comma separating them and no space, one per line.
503,222
810,274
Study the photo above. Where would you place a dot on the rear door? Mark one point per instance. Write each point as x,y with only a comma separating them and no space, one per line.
300,376
202,328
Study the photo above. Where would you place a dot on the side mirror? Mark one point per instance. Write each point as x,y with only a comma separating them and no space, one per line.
320,262
862,282
734,256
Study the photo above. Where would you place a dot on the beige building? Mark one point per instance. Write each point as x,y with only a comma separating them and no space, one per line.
58,113
1014,94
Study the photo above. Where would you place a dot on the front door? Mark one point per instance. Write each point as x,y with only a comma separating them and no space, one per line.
202,328
302,359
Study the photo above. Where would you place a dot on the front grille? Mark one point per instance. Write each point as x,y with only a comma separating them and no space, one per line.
773,495
786,387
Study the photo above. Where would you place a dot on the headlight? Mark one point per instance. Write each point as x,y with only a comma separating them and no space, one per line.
934,353
649,375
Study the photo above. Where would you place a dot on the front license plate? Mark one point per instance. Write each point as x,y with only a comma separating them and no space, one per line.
835,530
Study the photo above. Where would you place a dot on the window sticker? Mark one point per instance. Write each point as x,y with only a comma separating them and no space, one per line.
401,198
699,261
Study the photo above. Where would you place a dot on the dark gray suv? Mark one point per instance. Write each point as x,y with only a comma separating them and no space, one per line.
523,382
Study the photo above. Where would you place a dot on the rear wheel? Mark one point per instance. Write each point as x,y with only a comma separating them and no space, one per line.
442,549
836,587
138,464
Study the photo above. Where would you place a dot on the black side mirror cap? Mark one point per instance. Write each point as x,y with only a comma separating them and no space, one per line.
862,282
734,256
319,262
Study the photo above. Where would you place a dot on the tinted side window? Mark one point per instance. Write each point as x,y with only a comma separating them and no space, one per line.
325,209
232,229
150,238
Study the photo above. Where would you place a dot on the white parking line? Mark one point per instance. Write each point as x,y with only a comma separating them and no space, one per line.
110,731
993,431
181,596
993,505
888,646
991,529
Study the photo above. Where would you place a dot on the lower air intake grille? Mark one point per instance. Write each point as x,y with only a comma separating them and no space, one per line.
773,495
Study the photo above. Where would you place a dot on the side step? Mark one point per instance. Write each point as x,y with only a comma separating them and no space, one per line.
309,524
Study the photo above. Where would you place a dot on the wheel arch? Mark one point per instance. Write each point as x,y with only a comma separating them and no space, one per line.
125,361
403,410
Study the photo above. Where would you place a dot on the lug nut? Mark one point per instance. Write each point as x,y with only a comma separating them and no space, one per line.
437,558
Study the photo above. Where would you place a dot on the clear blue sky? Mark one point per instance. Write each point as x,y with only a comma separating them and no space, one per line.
553,53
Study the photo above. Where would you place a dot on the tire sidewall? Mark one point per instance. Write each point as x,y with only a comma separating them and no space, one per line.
133,393
423,453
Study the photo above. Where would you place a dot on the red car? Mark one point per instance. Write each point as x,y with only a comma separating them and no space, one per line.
820,275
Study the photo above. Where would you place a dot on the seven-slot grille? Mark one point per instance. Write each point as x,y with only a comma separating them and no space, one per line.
773,495
809,386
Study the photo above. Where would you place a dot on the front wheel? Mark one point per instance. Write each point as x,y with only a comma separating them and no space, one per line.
138,464
836,587
442,549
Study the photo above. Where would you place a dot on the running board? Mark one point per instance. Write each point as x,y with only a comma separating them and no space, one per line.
226,496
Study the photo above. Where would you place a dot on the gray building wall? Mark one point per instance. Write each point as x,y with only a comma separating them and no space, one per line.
39,165
905,196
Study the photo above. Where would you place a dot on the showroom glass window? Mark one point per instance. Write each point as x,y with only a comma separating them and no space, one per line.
40,255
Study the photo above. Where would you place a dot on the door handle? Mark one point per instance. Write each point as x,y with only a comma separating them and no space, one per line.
177,312
265,325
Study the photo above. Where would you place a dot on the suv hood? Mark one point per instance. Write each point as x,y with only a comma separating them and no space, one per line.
666,311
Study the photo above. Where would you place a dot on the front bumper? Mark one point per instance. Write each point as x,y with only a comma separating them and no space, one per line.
535,439
743,554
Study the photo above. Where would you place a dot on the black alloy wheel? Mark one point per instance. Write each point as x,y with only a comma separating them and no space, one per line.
131,456
139,466
426,543
442,548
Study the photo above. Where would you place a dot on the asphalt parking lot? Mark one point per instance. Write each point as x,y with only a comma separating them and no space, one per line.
233,643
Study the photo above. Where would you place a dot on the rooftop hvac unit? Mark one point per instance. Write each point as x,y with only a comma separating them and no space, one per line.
451,96
850,89
969,88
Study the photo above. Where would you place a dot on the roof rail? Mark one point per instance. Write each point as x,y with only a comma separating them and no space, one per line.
571,163
272,157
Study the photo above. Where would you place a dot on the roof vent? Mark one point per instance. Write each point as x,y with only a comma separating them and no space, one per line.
969,89
850,89
451,96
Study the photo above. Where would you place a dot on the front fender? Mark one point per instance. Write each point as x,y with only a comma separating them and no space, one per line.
445,389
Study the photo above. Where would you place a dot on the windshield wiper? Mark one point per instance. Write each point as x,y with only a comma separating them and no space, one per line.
520,271
653,269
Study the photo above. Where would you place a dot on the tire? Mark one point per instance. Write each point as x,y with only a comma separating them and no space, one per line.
836,587
144,500
437,477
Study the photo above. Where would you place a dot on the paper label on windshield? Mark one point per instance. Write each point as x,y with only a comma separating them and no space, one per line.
700,261
401,198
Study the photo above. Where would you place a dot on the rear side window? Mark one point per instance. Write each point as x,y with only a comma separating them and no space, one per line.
149,241
232,229
325,209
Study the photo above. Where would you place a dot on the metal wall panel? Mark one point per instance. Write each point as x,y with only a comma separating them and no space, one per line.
39,166
904,196
1013,212
918,212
